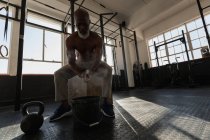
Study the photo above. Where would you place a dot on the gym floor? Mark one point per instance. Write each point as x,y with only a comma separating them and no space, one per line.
159,114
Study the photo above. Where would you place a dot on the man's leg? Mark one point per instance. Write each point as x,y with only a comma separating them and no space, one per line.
61,77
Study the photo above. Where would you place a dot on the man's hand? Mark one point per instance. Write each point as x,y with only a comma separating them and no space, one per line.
85,75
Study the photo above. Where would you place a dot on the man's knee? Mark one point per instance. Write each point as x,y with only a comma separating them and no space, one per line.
57,73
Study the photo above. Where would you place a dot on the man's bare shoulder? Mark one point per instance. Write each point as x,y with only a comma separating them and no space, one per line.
96,37
72,36
94,34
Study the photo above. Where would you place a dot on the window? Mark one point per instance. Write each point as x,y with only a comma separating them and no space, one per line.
43,21
3,41
3,11
42,52
109,44
175,52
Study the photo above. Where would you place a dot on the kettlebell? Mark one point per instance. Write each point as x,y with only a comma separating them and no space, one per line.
32,121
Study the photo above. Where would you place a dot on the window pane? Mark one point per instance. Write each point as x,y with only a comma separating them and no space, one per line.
201,32
185,55
180,29
191,26
32,67
171,50
174,33
152,49
196,43
3,66
52,46
3,11
194,35
150,43
109,56
172,59
207,19
163,53
33,43
203,41
154,63
160,61
178,49
162,47
159,54
167,35
179,57
197,54
160,38
69,29
170,44
153,56
43,21
176,43
199,23
208,28
3,41
155,40
165,60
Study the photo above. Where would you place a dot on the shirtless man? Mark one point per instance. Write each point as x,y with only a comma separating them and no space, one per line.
88,46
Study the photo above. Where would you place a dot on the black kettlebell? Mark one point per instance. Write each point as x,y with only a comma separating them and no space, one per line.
32,121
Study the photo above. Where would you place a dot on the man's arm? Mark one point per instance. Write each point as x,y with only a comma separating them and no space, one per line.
72,57
98,51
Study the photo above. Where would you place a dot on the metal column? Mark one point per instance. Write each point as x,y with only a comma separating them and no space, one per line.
102,36
203,20
20,56
72,2
124,59
137,55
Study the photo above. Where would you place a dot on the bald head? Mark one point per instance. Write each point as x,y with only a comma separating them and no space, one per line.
81,13
82,22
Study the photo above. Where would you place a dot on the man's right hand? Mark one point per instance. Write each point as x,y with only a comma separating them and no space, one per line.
85,75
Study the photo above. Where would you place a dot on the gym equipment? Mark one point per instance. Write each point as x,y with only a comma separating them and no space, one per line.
174,73
6,49
205,52
32,121
183,40
86,110
85,99
6,8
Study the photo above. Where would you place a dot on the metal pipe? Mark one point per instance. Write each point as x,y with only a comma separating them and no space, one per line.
102,36
81,3
185,45
94,24
156,49
113,32
124,58
72,2
106,21
67,14
110,18
10,4
20,56
137,55
203,20
206,7
178,39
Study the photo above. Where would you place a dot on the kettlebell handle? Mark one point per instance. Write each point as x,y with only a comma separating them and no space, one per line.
33,103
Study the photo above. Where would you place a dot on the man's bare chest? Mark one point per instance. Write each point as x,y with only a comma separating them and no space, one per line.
84,47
